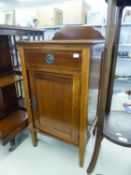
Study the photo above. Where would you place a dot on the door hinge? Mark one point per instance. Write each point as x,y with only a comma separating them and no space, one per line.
33,103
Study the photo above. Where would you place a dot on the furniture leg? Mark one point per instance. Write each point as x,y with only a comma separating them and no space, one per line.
81,154
34,137
82,145
13,144
95,153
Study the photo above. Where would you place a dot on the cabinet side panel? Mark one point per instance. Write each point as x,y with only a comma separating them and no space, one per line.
8,100
5,58
2,105
10,97
95,66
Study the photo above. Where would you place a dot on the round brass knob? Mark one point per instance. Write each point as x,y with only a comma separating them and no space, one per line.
49,59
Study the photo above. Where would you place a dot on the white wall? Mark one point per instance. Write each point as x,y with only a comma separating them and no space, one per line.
24,17
97,5
75,12
27,11
15,4
97,13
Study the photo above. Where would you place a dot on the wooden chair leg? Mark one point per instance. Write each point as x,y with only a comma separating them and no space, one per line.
34,137
95,153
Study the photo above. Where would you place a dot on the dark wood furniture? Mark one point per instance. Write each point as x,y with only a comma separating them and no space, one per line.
78,33
57,77
114,125
28,33
13,117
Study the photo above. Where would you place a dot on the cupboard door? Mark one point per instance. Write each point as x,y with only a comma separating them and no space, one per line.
57,104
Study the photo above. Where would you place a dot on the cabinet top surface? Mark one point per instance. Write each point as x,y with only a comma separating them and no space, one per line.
78,42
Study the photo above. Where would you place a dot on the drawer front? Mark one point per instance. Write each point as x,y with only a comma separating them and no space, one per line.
53,59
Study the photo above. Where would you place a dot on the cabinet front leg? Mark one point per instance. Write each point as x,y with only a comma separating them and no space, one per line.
82,153
33,136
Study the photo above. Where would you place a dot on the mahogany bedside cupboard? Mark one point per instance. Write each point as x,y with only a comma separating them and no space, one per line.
57,77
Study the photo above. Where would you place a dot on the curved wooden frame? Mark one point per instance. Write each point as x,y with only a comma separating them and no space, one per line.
107,74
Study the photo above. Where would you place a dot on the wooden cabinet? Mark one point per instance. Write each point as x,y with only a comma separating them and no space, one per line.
57,78
12,119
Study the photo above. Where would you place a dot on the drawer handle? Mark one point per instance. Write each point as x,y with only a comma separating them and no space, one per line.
49,59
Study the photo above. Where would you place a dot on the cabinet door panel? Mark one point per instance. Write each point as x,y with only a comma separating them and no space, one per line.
57,112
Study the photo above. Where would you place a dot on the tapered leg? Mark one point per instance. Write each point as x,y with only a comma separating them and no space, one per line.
81,155
95,153
34,137
82,152
82,146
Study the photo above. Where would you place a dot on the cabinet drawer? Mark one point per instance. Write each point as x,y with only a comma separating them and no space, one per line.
53,59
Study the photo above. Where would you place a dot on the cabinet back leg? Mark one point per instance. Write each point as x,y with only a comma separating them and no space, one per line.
34,137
